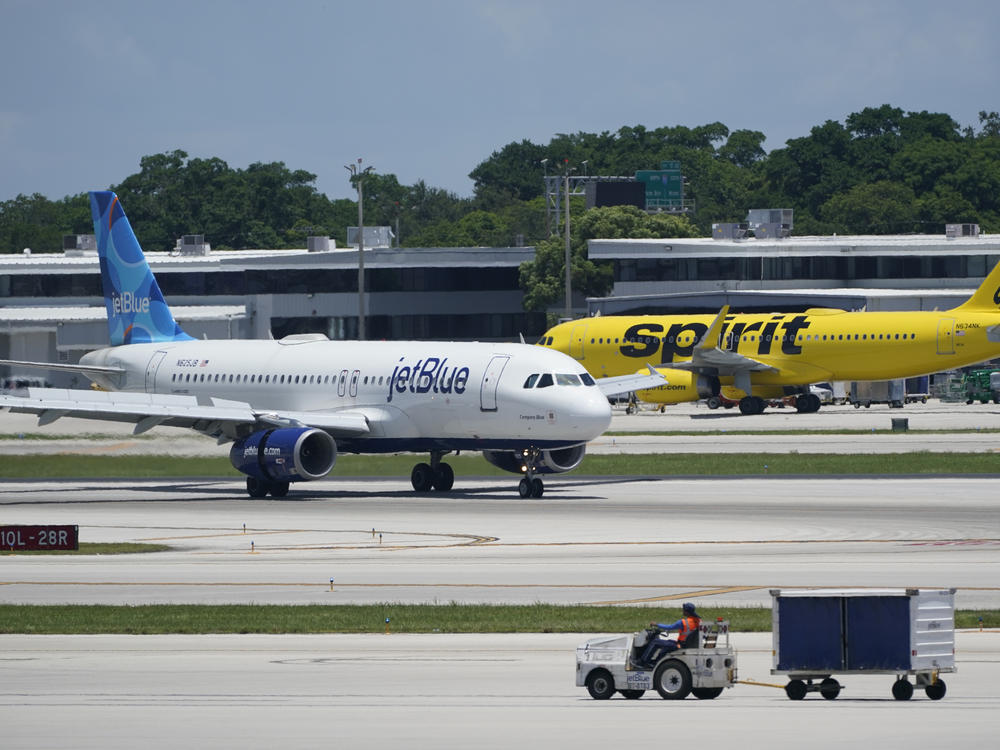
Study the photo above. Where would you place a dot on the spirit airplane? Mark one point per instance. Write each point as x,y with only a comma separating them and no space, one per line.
758,356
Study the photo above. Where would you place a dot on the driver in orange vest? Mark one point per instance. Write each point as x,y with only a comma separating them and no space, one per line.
659,645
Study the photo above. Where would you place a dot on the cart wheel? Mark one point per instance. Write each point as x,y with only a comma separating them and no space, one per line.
902,690
936,690
795,690
706,694
672,679
600,684
632,695
829,688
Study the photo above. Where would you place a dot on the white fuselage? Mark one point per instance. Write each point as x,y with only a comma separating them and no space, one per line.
416,395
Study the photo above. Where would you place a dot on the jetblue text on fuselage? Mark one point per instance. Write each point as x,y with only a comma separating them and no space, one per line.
128,302
430,375
643,339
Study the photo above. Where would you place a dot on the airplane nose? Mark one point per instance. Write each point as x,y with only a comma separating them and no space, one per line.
592,414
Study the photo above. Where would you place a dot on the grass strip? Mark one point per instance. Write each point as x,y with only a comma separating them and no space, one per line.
403,618
649,464
95,548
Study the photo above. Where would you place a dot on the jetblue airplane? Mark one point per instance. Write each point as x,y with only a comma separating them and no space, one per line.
290,406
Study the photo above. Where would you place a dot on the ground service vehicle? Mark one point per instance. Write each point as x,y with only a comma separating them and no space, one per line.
608,665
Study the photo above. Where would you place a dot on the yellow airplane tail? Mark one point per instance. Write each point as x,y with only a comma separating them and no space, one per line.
987,296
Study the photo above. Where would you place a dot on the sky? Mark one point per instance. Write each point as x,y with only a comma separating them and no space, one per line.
427,90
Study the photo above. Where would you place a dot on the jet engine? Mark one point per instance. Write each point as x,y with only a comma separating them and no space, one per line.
288,454
548,462
681,386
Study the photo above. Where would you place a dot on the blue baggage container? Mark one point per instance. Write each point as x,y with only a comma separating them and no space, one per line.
819,632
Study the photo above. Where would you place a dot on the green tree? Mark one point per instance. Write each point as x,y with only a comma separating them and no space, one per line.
543,279
877,208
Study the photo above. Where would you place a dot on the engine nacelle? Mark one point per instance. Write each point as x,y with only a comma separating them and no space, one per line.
289,454
682,386
551,461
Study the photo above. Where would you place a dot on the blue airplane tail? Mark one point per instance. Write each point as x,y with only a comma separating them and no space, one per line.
137,312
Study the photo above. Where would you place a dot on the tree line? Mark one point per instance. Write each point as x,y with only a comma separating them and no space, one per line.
881,171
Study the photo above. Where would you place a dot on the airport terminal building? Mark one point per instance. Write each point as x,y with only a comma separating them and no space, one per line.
52,308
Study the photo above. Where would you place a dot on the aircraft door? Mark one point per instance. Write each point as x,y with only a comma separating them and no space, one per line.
946,336
342,383
354,383
491,379
151,368
576,340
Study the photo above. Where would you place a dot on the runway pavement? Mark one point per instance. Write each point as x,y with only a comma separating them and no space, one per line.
441,691
588,540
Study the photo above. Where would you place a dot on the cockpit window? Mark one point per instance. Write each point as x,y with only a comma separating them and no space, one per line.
545,380
567,378
530,382
587,380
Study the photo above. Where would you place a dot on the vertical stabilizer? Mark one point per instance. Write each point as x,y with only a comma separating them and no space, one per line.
987,296
137,313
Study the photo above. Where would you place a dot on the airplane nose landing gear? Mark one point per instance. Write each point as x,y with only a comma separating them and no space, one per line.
530,485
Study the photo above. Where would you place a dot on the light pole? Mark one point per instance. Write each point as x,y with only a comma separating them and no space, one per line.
569,286
545,181
358,178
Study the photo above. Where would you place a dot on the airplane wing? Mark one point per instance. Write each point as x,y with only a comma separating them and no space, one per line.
148,410
635,382
707,358
85,369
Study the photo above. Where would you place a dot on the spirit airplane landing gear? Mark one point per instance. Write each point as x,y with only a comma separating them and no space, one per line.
436,474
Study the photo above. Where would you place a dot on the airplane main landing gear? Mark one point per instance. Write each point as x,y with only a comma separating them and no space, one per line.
437,475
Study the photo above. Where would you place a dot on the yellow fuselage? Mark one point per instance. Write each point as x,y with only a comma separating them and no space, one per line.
802,348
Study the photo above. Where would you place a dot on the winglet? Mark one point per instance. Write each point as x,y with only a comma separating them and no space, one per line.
137,312
710,339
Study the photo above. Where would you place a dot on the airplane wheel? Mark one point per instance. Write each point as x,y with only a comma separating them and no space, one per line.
537,488
278,489
256,488
444,478
632,695
422,477
524,487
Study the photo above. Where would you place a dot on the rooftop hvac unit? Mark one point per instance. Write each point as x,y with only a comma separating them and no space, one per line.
729,231
951,231
193,244
318,244
374,236
758,216
770,231
75,245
